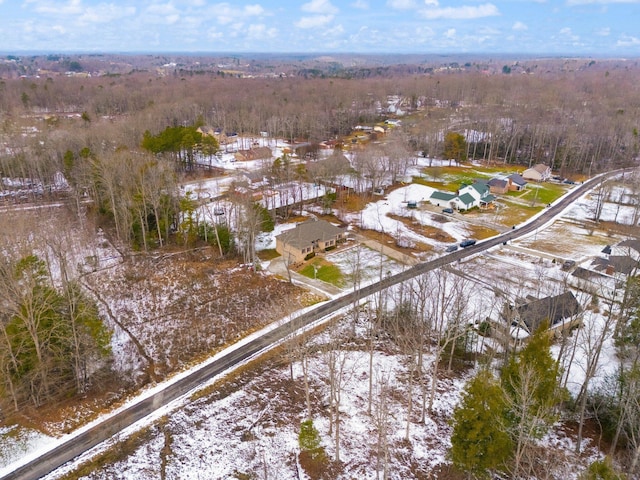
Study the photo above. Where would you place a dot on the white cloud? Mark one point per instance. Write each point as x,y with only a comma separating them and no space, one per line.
253,10
603,32
314,22
225,13
261,32
360,4
72,7
424,32
567,32
450,34
105,13
431,3
572,3
402,4
159,9
488,31
460,13
628,41
519,27
323,7
214,34
162,14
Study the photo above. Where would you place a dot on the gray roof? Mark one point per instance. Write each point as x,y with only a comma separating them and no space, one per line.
555,309
498,183
632,243
517,179
585,274
541,167
306,233
620,264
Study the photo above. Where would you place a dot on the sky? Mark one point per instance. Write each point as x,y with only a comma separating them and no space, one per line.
567,27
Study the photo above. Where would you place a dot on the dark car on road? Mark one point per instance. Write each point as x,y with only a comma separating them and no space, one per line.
447,210
451,248
467,243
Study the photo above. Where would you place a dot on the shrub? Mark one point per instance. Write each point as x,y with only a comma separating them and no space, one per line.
313,458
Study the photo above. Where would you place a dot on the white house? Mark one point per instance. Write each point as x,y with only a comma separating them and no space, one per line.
538,173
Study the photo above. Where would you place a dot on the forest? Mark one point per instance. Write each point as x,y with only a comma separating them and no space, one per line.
95,152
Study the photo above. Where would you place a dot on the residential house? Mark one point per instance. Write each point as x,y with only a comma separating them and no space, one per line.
556,310
442,199
308,237
480,192
618,260
255,178
463,202
629,248
521,320
499,185
206,131
538,173
258,153
517,182
469,196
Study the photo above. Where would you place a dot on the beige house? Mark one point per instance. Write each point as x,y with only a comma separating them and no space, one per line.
308,237
538,173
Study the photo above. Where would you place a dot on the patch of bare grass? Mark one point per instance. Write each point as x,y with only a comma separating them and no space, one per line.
481,232
427,231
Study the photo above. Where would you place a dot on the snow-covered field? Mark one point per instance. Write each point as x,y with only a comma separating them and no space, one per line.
249,429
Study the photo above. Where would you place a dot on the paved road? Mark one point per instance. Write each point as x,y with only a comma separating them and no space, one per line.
83,441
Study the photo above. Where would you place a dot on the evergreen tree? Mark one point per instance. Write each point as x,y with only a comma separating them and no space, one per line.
602,470
49,337
479,442
455,147
313,458
530,383
309,437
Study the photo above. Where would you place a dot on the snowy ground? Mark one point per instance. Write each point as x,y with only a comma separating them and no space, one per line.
376,216
253,428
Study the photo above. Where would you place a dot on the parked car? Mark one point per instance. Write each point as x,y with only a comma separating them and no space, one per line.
467,243
451,248
447,210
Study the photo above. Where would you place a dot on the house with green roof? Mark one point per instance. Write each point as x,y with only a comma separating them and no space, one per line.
469,196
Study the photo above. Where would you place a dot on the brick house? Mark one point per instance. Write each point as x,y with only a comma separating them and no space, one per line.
308,237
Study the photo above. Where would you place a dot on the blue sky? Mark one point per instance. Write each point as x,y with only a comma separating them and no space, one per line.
567,27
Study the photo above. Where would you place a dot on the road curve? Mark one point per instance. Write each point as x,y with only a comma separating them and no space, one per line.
80,443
